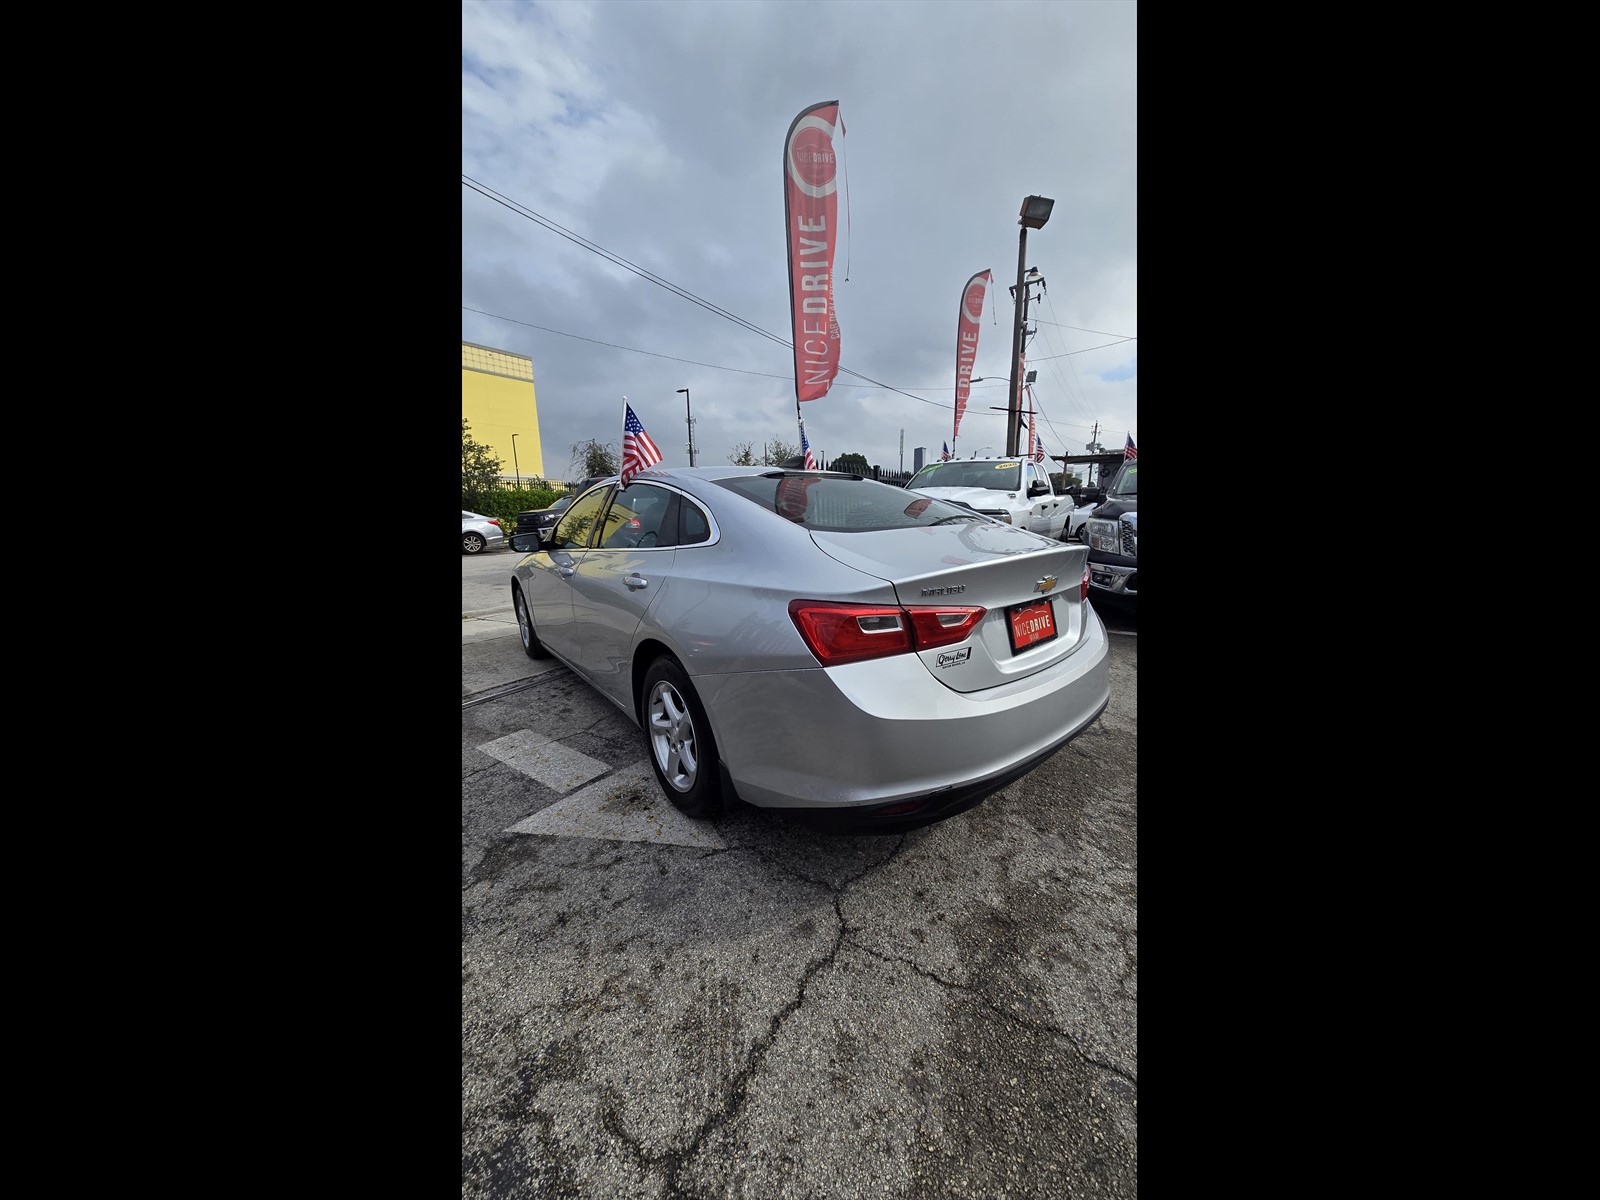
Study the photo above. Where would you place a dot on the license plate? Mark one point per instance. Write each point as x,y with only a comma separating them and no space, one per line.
1031,623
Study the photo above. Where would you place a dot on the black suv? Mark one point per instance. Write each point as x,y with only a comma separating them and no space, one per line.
1112,535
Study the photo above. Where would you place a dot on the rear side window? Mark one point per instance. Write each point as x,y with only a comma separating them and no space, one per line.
693,528
841,504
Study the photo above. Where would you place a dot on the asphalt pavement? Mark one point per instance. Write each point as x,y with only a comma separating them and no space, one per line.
653,1006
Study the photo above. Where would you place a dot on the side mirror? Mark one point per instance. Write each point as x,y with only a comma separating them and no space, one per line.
526,543
1037,489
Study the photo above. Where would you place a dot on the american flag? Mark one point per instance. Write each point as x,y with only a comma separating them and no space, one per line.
811,459
638,451
945,457
1038,449
1129,450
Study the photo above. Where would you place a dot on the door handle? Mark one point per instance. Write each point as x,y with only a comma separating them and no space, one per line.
636,581
565,572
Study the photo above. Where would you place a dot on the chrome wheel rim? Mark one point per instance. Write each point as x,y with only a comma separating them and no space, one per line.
524,626
473,543
672,739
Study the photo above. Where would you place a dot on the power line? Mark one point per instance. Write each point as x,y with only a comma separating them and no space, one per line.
578,239
1086,349
527,213
713,366
1119,336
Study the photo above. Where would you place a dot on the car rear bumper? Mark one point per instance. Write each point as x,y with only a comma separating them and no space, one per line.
903,815
885,745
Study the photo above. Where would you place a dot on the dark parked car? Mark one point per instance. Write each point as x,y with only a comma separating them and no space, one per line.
1112,534
536,519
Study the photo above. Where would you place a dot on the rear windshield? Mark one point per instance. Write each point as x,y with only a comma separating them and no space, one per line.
840,504
1000,476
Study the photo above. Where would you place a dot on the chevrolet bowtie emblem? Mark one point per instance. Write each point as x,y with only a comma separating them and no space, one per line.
1045,584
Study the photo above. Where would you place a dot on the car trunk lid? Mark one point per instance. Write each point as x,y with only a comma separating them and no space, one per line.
1029,586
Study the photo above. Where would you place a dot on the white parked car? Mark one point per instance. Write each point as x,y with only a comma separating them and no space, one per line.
1075,522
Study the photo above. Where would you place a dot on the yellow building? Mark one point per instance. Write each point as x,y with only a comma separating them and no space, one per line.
497,401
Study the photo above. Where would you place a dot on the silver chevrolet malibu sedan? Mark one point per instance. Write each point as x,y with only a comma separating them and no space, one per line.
815,641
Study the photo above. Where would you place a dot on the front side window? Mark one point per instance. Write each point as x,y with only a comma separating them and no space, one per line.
576,525
638,519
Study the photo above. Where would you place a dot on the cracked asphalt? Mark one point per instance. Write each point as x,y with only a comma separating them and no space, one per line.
946,1012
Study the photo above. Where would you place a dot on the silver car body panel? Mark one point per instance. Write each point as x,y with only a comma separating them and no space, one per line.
869,733
790,732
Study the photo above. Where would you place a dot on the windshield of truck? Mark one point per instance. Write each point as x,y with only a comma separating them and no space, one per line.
997,476
1126,484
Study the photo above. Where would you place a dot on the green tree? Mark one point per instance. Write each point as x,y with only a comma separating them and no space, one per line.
744,455
480,471
778,451
595,458
855,463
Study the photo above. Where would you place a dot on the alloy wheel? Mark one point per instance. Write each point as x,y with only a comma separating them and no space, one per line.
672,737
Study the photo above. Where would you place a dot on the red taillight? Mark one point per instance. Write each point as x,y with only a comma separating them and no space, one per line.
845,633
494,520
943,626
1083,588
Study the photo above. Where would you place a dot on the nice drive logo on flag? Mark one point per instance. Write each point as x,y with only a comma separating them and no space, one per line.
638,451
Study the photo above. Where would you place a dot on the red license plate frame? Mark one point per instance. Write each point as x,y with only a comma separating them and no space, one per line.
1020,624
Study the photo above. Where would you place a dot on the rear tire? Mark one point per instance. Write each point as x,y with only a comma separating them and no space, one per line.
472,543
531,645
683,753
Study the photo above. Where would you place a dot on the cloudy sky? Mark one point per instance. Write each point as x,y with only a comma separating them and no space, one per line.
654,129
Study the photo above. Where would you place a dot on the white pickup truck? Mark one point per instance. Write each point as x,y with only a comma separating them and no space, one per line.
1012,490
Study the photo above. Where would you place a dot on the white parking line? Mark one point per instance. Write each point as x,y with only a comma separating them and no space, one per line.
548,761
627,806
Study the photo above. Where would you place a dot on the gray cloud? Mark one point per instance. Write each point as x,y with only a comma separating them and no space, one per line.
656,131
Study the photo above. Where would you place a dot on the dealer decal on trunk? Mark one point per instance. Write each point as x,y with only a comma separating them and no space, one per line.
954,658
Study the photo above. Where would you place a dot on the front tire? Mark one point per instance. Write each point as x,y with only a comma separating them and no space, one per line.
472,543
531,645
683,753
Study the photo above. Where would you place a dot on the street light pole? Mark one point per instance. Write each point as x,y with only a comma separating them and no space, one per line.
689,418
1035,212
514,461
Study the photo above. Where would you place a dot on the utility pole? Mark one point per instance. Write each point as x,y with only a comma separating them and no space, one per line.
902,452
688,417
1094,447
1014,411
1035,212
